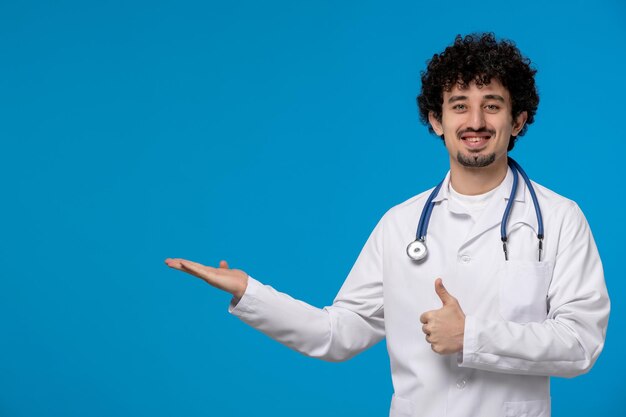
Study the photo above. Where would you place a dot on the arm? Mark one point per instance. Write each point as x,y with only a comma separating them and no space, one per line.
570,340
353,323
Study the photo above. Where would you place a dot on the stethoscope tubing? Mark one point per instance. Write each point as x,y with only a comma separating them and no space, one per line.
533,195
422,226
425,217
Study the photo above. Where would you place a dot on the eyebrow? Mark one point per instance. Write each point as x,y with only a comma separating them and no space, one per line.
494,97
486,97
456,98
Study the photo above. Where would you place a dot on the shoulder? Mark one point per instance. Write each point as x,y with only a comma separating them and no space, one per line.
406,210
562,217
553,204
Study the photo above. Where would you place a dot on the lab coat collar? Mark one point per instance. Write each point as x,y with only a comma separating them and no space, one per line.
492,215
503,193
522,210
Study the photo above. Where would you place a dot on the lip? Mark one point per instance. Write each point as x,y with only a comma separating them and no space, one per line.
475,140
466,135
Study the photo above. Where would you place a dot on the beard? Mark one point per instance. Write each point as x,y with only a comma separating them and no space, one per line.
475,161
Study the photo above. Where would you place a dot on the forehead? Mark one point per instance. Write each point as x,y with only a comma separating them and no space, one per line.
473,90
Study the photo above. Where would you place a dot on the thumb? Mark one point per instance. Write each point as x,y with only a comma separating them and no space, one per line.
444,295
223,264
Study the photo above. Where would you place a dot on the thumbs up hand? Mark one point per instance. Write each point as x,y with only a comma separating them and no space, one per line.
444,328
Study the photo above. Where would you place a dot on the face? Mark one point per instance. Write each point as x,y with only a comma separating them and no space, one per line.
477,124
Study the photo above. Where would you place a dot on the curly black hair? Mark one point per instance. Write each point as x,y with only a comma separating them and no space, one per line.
479,58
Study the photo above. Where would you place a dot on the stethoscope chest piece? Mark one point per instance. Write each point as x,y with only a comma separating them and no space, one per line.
416,250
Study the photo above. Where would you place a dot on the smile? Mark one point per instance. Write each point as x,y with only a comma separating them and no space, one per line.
475,142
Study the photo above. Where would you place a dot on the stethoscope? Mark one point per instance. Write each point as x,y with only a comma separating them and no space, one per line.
417,249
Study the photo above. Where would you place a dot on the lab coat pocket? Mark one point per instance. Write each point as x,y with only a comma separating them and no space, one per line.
539,408
401,407
524,290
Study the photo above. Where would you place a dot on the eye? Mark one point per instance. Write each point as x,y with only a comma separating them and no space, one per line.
492,107
459,107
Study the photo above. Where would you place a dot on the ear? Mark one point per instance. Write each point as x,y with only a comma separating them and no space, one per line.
435,124
519,123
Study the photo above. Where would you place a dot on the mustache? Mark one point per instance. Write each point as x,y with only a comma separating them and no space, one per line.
470,130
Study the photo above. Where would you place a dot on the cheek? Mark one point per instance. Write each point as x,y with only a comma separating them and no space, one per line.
506,130
448,126
504,124
501,127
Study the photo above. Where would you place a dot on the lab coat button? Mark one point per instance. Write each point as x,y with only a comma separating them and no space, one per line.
466,259
460,384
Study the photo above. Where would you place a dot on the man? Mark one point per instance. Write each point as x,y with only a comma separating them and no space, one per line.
504,322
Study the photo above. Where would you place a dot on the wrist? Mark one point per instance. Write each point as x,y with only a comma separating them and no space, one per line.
241,290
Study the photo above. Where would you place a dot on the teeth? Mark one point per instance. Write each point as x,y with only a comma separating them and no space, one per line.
474,139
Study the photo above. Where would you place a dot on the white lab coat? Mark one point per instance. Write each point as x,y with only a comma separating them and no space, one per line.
525,320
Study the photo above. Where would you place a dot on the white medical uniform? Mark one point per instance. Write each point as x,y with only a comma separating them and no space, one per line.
525,320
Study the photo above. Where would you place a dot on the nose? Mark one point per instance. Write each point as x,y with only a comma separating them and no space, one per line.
476,118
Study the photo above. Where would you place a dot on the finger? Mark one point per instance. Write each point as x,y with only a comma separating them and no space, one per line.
187,265
175,262
444,295
426,329
425,317
196,265
197,269
189,268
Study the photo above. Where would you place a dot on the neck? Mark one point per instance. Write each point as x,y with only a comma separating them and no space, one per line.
475,181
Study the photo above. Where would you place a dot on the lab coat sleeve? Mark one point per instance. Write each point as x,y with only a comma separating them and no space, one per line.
569,341
353,323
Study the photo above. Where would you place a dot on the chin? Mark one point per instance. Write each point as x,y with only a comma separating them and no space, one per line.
476,160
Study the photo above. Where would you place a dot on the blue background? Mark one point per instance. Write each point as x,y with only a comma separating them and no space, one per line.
270,134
